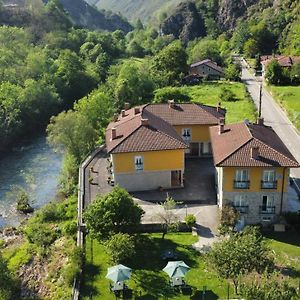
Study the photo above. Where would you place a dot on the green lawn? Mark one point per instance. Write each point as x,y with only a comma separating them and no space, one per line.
286,247
289,98
148,281
209,93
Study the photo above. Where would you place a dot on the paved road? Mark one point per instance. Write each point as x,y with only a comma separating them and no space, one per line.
275,117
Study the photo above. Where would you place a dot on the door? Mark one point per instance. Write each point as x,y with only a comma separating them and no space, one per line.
175,178
194,149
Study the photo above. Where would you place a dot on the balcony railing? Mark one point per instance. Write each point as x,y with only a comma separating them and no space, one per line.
243,209
267,209
241,184
269,184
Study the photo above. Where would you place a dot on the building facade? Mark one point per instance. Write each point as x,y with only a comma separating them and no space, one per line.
207,69
252,170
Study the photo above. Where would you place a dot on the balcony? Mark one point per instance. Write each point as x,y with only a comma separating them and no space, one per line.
267,210
243,209
237,184
269,185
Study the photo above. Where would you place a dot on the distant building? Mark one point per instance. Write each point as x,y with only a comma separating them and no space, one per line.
207,69
252,170
148,144
283,60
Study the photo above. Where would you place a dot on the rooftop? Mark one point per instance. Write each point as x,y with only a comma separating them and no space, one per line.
234,145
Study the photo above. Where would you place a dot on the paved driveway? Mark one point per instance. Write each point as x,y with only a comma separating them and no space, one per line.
199,186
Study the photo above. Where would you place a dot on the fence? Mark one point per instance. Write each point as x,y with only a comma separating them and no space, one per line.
80,224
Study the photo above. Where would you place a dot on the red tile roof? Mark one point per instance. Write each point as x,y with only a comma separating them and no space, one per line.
232,148
284,61
158,134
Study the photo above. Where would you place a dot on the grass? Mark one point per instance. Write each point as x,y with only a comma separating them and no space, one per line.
148,280
288,98
286,247
209,93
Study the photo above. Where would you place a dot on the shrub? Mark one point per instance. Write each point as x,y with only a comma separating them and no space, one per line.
190,220
72,269
52,212
227,95
170,93
70,228
120,247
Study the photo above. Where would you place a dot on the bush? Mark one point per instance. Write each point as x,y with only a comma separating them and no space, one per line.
52,212
227,95
72,269
170,93
190,220
120,247
70,228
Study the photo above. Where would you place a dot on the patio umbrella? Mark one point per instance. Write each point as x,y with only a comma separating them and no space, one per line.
176,268
118,273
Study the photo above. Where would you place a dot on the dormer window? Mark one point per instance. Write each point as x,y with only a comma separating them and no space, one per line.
139,163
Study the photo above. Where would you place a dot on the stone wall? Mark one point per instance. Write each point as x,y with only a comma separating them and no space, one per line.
254,201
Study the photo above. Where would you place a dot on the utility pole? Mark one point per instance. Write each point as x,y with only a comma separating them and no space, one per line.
260,96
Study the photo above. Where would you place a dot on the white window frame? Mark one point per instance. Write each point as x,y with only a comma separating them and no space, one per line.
241,175
139,163
269,176
240,200
186,134
269,204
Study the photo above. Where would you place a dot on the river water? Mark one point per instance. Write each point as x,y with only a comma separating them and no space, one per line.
35,167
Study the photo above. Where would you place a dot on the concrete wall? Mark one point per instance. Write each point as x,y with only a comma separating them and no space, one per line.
142,181
254,201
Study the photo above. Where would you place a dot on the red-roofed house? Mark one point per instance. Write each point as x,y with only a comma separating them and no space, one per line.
252,170
147,144
284,61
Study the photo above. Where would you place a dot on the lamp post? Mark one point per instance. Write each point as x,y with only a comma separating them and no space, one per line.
186,207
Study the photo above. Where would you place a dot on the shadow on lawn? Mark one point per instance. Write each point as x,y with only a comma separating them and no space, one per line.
289,271
149,253
88,289
292,238
209,295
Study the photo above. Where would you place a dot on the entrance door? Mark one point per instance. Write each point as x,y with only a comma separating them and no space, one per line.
175,178
194,149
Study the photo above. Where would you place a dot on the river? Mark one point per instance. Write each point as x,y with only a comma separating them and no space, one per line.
35,167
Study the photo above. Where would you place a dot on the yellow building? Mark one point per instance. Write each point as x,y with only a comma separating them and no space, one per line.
148,144
252,170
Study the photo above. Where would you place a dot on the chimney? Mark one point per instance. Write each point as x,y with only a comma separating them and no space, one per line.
260,121
171,103
123,113
113,133
144,122
219,107
254,152
126,106
115,118
221,125
137,110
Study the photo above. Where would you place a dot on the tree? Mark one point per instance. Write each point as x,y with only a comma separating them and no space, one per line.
227,95
112,213
120,247
206,49
295,73
251,48
274,72
167,217
72,132
169,65
170,93
268,288
240,254
233,72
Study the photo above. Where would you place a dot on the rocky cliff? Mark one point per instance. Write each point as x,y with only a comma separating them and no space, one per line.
185,23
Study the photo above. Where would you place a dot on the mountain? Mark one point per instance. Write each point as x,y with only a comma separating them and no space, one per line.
81,14
185,23
136,9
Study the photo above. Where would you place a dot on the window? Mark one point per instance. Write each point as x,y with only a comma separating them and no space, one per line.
186,134
267,205
241,179
240,203
139,163
269,180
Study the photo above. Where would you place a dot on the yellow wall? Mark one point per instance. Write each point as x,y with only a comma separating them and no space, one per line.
200,133
255,176
153,160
